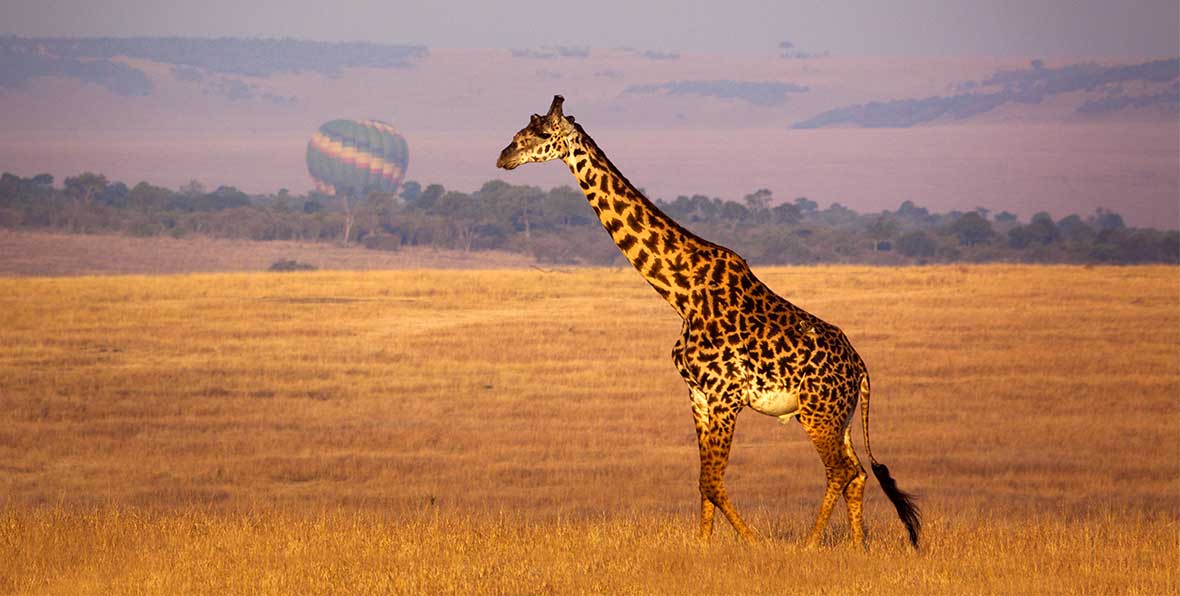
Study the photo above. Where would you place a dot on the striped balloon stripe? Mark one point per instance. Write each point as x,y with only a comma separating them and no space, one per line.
379,125
353,133
355,157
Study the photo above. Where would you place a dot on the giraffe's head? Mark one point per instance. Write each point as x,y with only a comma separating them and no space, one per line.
542,140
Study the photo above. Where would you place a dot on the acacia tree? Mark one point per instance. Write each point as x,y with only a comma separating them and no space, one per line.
517,206
82,189
758,202
917,244
971,229
785,214
464,216
881,230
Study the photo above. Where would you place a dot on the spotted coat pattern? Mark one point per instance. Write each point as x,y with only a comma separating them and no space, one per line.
741,344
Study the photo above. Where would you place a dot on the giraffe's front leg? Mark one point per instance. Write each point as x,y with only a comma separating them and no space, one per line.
714,425
700,420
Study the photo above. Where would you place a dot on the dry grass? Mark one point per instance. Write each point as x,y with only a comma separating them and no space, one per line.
524,431
348,551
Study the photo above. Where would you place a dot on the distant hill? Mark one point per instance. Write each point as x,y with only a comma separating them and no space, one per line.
1154,84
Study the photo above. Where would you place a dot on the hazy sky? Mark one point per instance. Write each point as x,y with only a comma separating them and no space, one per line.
1126,28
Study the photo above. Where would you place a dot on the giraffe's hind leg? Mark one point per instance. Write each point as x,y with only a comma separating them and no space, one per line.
854,494
845,478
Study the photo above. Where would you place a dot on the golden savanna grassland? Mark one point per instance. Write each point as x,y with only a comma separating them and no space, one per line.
524,431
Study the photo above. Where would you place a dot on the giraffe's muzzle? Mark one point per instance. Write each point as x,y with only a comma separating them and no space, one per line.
507,158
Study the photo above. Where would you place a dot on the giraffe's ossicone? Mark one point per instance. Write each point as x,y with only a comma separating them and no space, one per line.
741,344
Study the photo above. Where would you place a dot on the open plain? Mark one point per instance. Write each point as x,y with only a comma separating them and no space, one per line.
524,431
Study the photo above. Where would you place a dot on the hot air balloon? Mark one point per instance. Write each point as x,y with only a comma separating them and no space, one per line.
351,158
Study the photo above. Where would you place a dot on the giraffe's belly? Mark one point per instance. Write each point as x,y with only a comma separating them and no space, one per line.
781,403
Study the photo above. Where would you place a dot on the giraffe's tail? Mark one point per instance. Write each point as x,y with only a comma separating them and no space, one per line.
905,503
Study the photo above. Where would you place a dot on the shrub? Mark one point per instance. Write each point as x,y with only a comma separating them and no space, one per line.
291,265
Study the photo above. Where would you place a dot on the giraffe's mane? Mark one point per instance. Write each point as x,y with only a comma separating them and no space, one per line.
589,142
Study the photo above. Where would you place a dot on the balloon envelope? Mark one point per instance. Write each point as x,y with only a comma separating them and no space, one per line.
354,157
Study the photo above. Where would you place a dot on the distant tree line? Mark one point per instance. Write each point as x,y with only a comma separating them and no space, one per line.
557,226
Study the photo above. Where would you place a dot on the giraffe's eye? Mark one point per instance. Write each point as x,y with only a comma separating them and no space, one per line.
544,135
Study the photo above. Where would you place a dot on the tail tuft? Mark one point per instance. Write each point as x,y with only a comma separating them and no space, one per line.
905,503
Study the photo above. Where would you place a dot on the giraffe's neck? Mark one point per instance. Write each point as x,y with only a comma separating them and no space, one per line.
663,252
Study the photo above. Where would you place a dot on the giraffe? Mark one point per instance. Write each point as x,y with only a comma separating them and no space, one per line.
741,344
